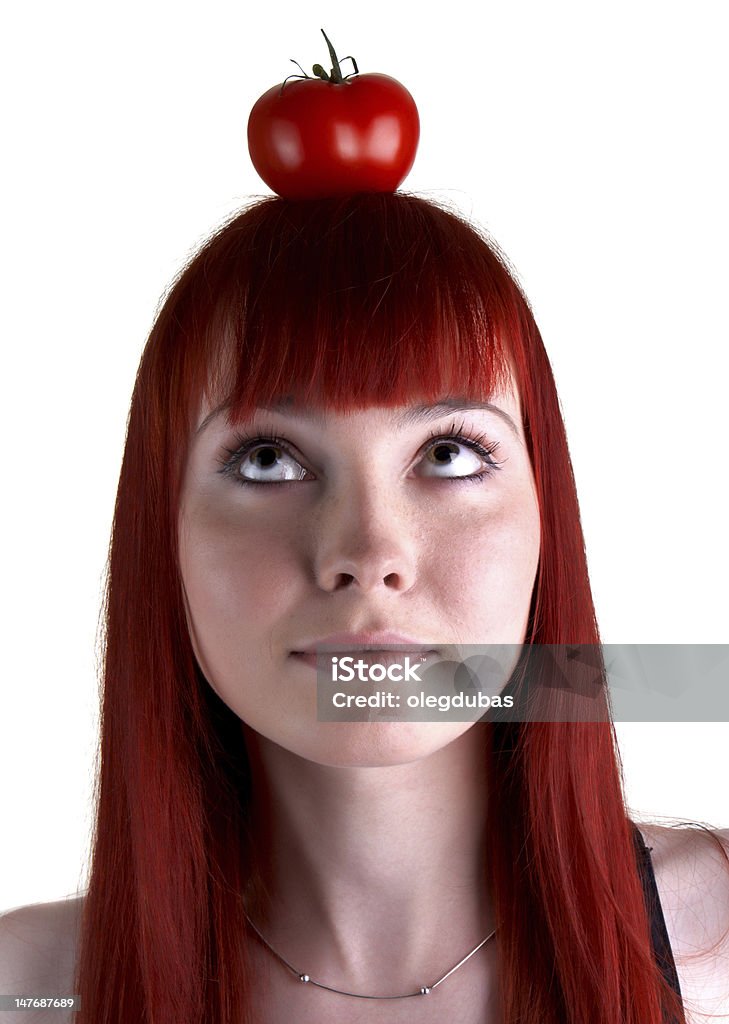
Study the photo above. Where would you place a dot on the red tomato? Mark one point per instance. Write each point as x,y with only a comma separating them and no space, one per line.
325,138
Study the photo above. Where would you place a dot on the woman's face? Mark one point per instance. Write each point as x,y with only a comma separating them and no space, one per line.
376,526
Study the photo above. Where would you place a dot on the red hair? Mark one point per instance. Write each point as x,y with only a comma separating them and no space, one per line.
375,299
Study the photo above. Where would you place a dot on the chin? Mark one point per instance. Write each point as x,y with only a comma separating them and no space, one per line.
372,744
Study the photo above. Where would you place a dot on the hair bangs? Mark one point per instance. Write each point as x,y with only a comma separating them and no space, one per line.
344,303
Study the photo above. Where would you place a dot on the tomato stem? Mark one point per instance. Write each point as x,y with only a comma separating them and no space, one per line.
336,70
335,76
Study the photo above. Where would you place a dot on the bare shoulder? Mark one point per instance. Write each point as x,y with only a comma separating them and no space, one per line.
38,944
691,866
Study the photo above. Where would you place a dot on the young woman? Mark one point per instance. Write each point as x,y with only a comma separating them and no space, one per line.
345,427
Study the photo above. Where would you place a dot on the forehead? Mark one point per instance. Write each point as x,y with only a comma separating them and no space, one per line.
504,404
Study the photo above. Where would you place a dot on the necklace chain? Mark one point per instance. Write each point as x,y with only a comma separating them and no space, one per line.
308,980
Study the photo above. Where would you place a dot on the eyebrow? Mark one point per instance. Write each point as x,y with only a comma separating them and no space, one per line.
409,417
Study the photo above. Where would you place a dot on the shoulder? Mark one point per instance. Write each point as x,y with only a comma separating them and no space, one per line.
691,865
38,946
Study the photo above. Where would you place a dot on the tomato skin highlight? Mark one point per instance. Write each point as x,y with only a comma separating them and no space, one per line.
319,138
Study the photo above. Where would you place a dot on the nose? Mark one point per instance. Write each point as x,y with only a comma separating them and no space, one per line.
365,542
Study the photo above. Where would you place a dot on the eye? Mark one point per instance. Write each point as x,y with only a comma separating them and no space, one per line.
447,453
257,457
442,453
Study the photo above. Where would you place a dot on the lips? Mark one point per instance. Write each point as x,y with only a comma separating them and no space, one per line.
371,640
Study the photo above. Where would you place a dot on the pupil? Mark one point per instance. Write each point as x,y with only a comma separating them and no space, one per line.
443,448
268,459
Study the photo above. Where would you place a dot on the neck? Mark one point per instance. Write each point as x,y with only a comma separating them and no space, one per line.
371,871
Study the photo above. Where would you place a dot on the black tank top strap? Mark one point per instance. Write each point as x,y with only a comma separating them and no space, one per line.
659,933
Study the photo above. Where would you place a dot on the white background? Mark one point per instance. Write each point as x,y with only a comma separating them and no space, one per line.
589,139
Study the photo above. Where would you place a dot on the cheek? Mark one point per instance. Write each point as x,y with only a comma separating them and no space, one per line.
234,581
490,568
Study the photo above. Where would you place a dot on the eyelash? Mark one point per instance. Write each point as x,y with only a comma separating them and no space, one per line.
245,443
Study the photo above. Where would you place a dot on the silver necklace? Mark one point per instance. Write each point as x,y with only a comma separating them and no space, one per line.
308,980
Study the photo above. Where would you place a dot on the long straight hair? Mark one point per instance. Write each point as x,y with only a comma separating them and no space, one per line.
373,299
